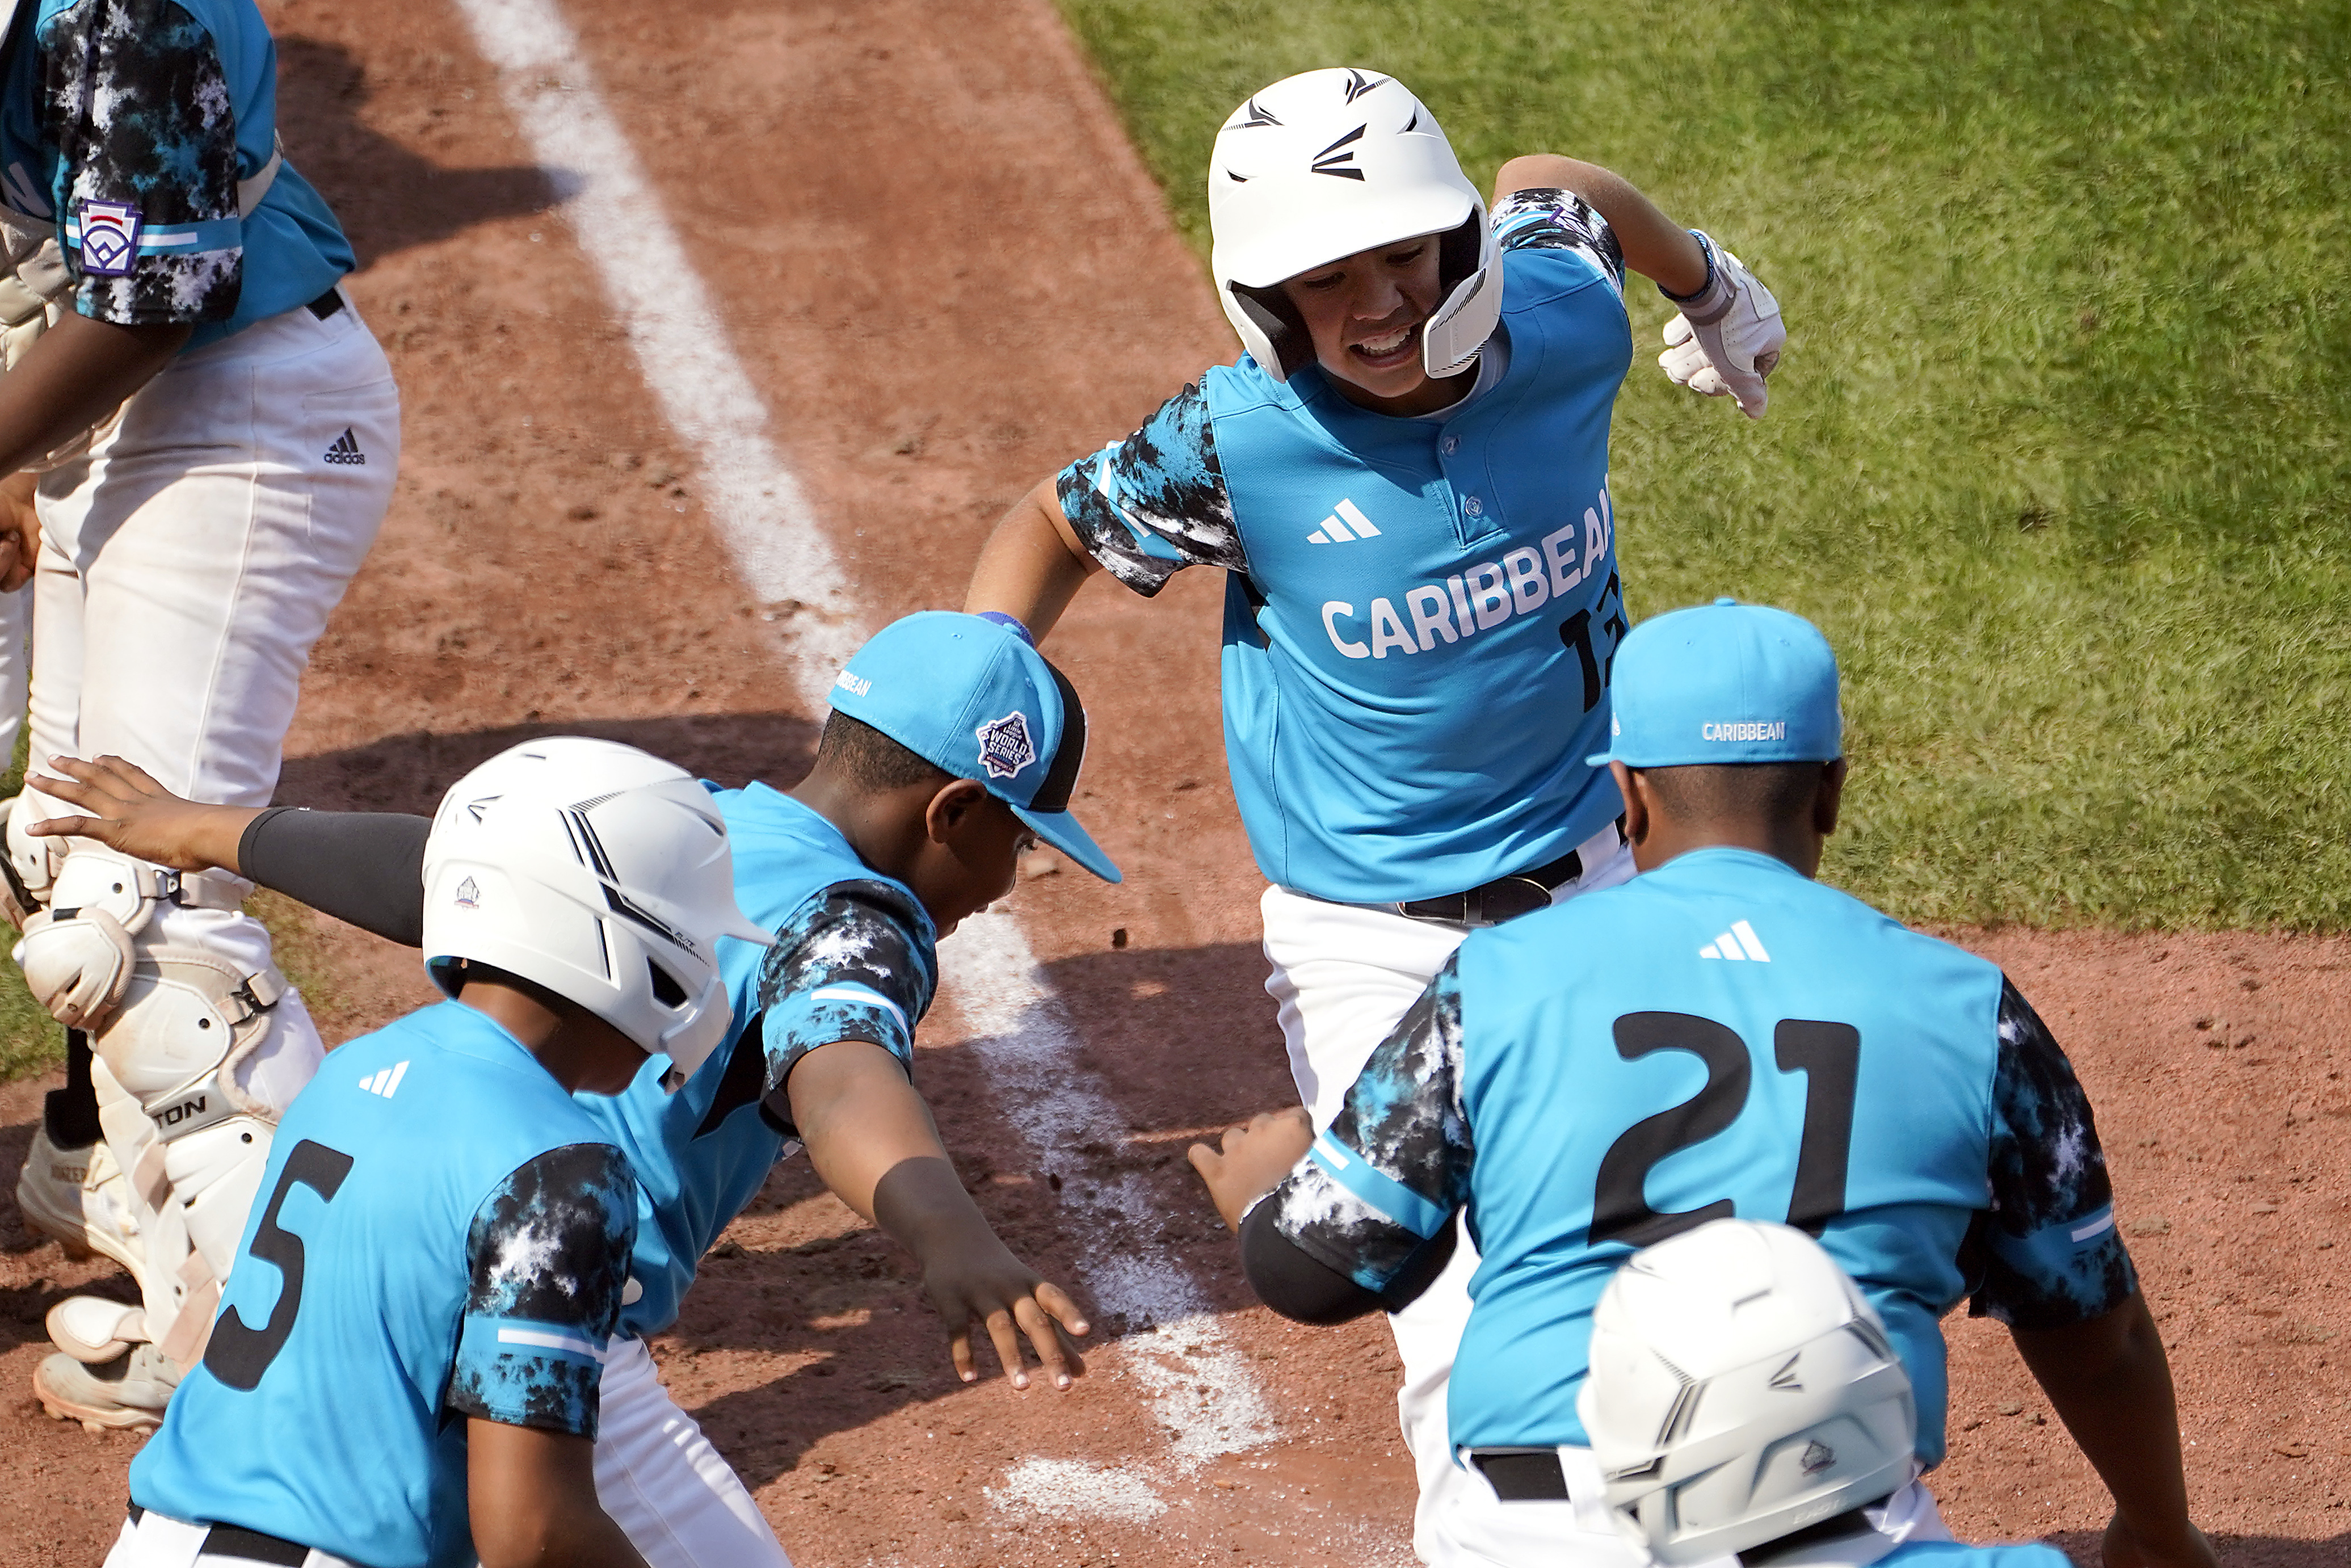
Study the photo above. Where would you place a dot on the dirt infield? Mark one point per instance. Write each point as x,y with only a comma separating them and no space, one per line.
947,274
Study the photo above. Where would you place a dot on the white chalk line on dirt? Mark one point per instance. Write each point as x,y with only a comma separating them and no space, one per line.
1200,1386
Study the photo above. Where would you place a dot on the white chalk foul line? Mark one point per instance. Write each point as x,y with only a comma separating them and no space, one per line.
1200,1386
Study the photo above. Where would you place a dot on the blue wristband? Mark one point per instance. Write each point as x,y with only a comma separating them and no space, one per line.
1705,248
1011,624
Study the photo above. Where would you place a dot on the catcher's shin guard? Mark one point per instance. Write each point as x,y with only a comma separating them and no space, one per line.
190,1140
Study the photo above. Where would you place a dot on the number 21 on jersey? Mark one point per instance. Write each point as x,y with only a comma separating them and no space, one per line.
1827,1054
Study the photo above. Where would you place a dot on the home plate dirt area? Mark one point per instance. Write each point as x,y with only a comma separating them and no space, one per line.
942,273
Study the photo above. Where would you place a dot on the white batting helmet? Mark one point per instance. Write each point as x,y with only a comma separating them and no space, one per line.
598,872
1742,1388
1320,166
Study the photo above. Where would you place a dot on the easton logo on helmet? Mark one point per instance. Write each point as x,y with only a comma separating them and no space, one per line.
1005,747
1324,163
1358,84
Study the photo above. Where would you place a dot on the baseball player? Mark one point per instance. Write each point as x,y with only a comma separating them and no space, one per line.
950,742
1743,1398
1404,478
407,1365
213,435
1719,1036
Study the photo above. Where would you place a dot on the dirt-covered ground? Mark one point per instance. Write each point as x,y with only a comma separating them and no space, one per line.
947,274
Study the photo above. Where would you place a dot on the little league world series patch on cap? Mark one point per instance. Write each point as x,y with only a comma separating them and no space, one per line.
973,698
1723,682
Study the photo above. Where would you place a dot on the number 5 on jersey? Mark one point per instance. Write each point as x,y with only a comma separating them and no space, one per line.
239,1354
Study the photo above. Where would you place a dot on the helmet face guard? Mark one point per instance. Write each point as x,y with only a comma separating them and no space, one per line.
1321,166
597,872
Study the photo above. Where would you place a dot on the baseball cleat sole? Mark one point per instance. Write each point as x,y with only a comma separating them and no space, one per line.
70,1391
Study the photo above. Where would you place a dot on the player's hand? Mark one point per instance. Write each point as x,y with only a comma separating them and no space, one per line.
976,1276
126,810
1737,343
1251,1160
20,531
2126,1548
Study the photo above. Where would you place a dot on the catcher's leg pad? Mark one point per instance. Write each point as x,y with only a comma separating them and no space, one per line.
191,1142
76,963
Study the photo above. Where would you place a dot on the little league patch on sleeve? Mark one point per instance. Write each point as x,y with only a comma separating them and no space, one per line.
109,238
1005,747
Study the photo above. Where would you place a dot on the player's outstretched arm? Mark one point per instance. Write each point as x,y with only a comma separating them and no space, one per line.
124,808
1728,335
1656,246
2111,1386
871,1137
531,1496
1032,565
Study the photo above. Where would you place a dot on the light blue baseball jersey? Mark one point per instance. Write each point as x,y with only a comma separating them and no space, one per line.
1420,613
1720,1036
128,123
1952,1554
855,958
441,1233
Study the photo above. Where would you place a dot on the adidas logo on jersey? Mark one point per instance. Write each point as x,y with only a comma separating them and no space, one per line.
346,449
1739,942
1345,525
386,1083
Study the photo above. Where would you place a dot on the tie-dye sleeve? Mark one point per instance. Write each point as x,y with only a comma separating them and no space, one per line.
1549,218
1151,504
1388,1175
550,1256
2047,1252
854,962
138,105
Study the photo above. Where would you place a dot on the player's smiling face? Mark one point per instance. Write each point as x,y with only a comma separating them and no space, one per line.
1364,313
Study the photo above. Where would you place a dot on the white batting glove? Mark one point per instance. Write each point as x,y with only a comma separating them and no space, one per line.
1728,335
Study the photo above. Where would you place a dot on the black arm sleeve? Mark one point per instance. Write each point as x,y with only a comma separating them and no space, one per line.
1298,1287
364,867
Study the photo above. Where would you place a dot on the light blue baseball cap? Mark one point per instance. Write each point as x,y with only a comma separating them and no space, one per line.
1724,682
972,696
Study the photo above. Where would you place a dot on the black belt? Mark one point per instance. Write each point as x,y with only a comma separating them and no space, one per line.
251,1545
327,303
1522,1475
1504,898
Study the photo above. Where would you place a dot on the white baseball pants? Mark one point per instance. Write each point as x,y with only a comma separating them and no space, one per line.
16,666
1344,975
680,1503
188,562
158,1541
1479,1531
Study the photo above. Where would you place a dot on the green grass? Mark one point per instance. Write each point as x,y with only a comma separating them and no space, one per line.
2058,456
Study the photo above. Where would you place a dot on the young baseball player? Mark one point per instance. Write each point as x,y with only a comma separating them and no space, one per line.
1405,479
1720,1036
1743,1398
405,1371
212,435
951,741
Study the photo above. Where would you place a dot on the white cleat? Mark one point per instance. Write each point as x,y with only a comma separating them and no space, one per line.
125,1395
78,1196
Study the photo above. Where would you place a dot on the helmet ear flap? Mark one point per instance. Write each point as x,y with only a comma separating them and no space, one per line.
1278,341
1460,252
